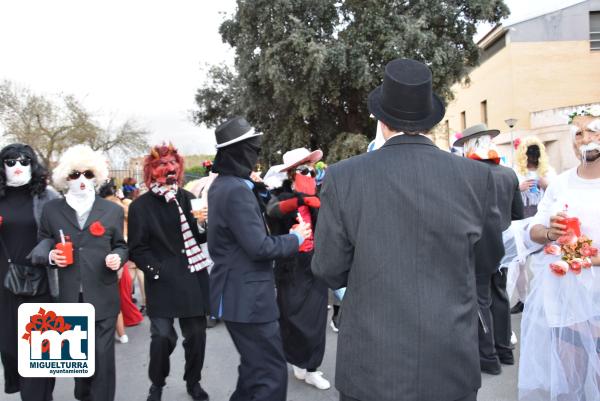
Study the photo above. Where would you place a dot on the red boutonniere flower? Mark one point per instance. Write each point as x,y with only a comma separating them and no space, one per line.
97,229
1,220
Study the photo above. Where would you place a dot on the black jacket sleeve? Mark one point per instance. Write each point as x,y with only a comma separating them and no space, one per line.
40,254
249,230
334,252
489,250
139,240
517,210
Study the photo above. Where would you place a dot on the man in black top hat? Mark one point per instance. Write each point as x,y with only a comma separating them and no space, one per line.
494,305
406,244
242,284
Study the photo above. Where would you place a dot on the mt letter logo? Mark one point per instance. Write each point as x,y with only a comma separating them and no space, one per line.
56,340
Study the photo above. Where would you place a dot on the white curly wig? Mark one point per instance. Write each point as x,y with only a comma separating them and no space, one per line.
80,158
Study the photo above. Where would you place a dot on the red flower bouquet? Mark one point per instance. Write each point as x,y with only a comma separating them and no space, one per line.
575,252
97,229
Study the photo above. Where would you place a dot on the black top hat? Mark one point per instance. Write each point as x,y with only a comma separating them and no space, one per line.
406,101
474,132
234,130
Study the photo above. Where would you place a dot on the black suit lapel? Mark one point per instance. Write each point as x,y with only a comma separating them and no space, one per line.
70,214
95,214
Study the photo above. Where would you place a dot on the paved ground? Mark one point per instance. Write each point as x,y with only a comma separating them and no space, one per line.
220,372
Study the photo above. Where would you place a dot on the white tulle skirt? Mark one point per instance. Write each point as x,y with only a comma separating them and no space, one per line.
560,335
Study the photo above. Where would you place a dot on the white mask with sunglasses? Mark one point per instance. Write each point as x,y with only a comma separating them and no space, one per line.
82,193
18,171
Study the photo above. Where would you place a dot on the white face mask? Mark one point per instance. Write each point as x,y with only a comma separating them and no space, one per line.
82,187
81,194
17,175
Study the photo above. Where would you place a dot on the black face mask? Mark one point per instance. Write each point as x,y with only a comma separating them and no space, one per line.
238,159
533,154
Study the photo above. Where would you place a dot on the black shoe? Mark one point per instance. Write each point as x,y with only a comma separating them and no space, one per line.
507,359
210,323
143,310
492,370
155,393
518,308
197,392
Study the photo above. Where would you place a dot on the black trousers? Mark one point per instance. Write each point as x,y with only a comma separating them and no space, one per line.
488,357
101,386
162,344
494,308
470,397
31,388
262,370
500,309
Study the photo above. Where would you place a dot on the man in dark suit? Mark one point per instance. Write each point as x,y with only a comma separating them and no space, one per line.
494,305
401,228
164,242
242,280
95,228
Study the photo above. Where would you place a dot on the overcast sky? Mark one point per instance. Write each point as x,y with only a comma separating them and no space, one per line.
133,58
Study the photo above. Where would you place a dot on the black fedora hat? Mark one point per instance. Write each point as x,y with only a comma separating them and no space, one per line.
234,130
406,101
474,132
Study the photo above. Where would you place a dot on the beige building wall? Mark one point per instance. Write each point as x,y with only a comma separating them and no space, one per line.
526,78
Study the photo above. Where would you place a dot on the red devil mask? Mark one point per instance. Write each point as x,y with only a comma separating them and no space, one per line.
304,180
163,166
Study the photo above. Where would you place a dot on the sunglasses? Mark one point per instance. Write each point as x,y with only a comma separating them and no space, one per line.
76,174
306,171
12,162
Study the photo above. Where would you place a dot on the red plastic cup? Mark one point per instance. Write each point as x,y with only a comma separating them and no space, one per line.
67,250
573,225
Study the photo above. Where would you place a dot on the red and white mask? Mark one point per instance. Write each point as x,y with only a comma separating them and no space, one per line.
304,180
166,171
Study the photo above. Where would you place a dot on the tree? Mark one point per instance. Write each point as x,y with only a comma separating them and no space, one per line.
304,68
347,145
51,125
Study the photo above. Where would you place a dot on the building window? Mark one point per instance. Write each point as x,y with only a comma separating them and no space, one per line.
595,30
484,118
463,120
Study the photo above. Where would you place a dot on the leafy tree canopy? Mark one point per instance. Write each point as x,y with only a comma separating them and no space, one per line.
304,68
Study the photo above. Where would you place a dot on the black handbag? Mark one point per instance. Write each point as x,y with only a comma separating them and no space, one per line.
23,280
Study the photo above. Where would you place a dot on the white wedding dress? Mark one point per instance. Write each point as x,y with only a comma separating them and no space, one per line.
560,328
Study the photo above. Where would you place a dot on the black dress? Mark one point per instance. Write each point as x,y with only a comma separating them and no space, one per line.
302,299
19,233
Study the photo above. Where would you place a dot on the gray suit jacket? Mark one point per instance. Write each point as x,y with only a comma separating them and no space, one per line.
89,271
401,228
38,205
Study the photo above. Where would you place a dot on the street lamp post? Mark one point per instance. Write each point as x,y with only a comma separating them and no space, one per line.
511,122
